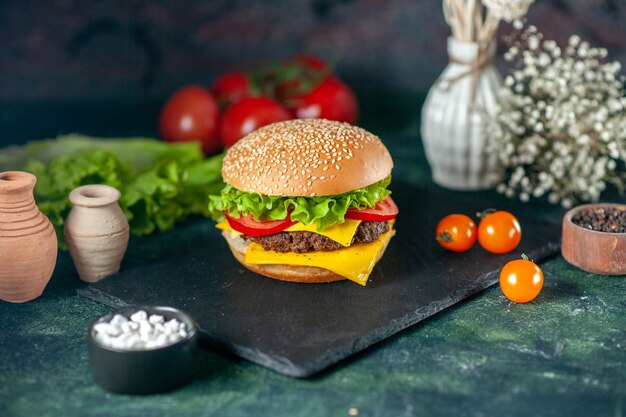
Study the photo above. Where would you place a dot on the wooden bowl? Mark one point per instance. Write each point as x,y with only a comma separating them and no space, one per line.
596,252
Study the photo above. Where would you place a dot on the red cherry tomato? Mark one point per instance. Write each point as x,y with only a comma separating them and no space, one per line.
521,280
232,87
191,114
499,232
456,232
247,225
383,210
332,100
247,115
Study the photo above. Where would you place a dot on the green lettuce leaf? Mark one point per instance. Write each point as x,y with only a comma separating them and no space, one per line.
325,211
139,153
161,183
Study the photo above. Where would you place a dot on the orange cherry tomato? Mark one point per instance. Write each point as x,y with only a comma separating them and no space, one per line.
456,232
521,280
499,232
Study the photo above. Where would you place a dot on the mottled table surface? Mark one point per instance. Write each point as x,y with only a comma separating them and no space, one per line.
563,354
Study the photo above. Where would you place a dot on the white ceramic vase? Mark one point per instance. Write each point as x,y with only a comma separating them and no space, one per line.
96,231
454,119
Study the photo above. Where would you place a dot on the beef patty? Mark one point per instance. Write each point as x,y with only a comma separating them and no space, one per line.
308,241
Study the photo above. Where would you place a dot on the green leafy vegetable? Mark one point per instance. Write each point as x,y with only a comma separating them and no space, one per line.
160,183
325,211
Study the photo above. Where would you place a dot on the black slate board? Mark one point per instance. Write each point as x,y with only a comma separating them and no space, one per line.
300,329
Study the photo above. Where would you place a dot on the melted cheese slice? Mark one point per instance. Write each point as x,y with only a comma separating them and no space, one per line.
355,262
340,233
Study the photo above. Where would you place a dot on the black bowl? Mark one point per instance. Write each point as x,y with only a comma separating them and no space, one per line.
144,371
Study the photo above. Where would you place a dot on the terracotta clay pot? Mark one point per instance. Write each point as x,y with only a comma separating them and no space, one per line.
28,243
96,231
592,251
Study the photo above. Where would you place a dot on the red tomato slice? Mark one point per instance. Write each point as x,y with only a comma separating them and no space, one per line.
383,210
247,225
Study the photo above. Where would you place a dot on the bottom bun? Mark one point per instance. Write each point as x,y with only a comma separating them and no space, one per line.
291,273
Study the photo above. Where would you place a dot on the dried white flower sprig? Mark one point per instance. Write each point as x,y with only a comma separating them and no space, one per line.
470,22
508,10
561,128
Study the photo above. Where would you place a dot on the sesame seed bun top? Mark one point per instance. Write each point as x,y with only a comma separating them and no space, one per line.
306,157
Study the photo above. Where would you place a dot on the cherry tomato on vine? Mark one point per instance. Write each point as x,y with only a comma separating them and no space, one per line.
297,76
191,114
247,115
456,232
499,232
332,100
232,87
313,62
521,280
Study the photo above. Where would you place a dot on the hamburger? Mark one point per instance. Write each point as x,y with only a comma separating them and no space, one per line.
306,201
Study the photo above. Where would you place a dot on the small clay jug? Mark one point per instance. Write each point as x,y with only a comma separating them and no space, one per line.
28,243
96,231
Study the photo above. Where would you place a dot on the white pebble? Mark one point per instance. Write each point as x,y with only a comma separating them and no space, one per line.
107,329
155,318
103,338
139,316
118,319
145,327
